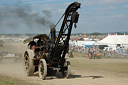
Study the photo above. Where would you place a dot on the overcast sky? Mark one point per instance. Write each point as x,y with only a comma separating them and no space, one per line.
37,16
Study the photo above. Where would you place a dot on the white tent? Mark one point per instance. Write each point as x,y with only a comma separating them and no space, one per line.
81,43
113,40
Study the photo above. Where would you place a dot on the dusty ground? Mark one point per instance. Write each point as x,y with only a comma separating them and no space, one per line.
84,72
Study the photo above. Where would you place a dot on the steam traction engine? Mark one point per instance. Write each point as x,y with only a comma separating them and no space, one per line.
47,54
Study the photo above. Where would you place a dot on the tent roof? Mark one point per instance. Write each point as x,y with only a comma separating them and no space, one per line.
115,39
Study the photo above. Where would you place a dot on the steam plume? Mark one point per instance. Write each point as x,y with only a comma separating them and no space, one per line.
24,19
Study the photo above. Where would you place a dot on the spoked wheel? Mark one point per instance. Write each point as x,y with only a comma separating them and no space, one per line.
66,69
42,69
28,63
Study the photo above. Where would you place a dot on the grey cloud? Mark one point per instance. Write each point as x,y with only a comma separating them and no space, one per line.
125,6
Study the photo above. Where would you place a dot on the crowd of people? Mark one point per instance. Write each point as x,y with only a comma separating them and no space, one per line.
94,52
80,49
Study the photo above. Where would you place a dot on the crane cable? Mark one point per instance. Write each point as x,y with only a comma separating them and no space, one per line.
59,20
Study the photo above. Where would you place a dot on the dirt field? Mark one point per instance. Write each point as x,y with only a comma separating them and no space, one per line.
84,71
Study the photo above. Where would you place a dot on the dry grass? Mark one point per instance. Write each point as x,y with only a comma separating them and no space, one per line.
80,63
110,66
6,80
14,47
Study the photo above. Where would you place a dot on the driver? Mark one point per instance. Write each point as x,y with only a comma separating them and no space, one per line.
31,44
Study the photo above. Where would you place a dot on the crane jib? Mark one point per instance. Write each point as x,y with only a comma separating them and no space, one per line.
61,45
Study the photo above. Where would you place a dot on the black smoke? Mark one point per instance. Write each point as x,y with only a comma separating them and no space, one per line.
24,20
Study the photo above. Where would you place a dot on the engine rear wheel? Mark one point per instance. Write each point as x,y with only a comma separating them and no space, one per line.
28,63
66,69
42,69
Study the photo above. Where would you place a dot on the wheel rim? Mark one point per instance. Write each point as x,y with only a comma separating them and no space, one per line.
66,72
26,63
41,70
29,69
